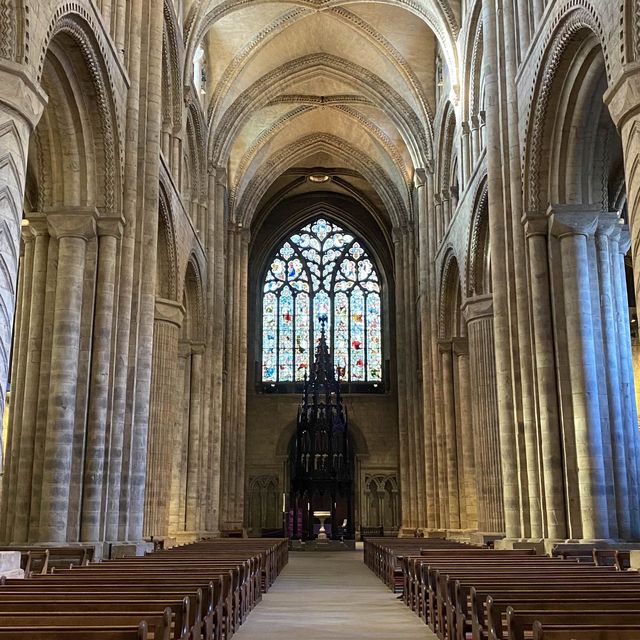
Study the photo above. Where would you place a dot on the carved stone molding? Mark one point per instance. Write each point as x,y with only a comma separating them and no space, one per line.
169,311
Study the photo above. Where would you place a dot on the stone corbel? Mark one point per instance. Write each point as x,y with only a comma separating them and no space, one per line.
169,311
79,223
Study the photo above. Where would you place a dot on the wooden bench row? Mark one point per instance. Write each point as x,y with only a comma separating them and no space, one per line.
202,591
465,592
34,560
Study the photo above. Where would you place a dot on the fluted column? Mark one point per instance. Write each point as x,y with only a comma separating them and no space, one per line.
453,489
484,411
195,438
29,387
572,230
180,442
72,231
555,523
109,234
469,518
166,332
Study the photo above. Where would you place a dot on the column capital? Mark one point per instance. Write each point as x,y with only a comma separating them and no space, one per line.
79,223
110,226
478,307
184,349
460,346
169,311
445,345
26,232
198,348
535,224
573,220
420,178
475,122
36,224
466,130
20,93
623,95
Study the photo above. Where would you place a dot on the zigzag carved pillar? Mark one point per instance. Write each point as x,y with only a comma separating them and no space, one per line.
22,105
162,416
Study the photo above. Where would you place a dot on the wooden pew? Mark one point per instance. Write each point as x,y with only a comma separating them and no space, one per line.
584,632
520,623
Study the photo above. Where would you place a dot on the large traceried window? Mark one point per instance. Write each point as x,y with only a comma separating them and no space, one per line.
321,270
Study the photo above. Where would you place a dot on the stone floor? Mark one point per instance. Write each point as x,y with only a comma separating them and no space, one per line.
330,595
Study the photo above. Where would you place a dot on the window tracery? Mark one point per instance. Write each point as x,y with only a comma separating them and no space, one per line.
321,270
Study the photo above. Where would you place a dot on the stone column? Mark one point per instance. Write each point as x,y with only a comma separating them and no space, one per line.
72,231
502,319
243,287
216,330
484,412
93,508
622,100
422,181
20,356
416,454
195,439
166,332
453,487
407,479
180,441
545,371
467,169
572,230
475,140
607,227
21,106
619,245
461,352
28,393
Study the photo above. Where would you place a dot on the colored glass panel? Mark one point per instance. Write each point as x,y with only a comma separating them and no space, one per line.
302,336
321,270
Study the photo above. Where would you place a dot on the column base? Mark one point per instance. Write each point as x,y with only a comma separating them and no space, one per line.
407,532
486,538
121,549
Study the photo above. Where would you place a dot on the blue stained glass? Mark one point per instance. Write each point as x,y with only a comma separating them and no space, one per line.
302,336
321,270
269,337
357,337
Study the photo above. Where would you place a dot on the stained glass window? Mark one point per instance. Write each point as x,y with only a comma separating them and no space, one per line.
321,270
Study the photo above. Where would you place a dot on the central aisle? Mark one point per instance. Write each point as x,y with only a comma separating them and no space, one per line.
330,595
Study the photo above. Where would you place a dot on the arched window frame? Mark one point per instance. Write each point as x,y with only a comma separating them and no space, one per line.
369,384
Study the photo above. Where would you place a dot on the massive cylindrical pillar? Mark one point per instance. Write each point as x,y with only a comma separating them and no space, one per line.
72,231
572,230
94,489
